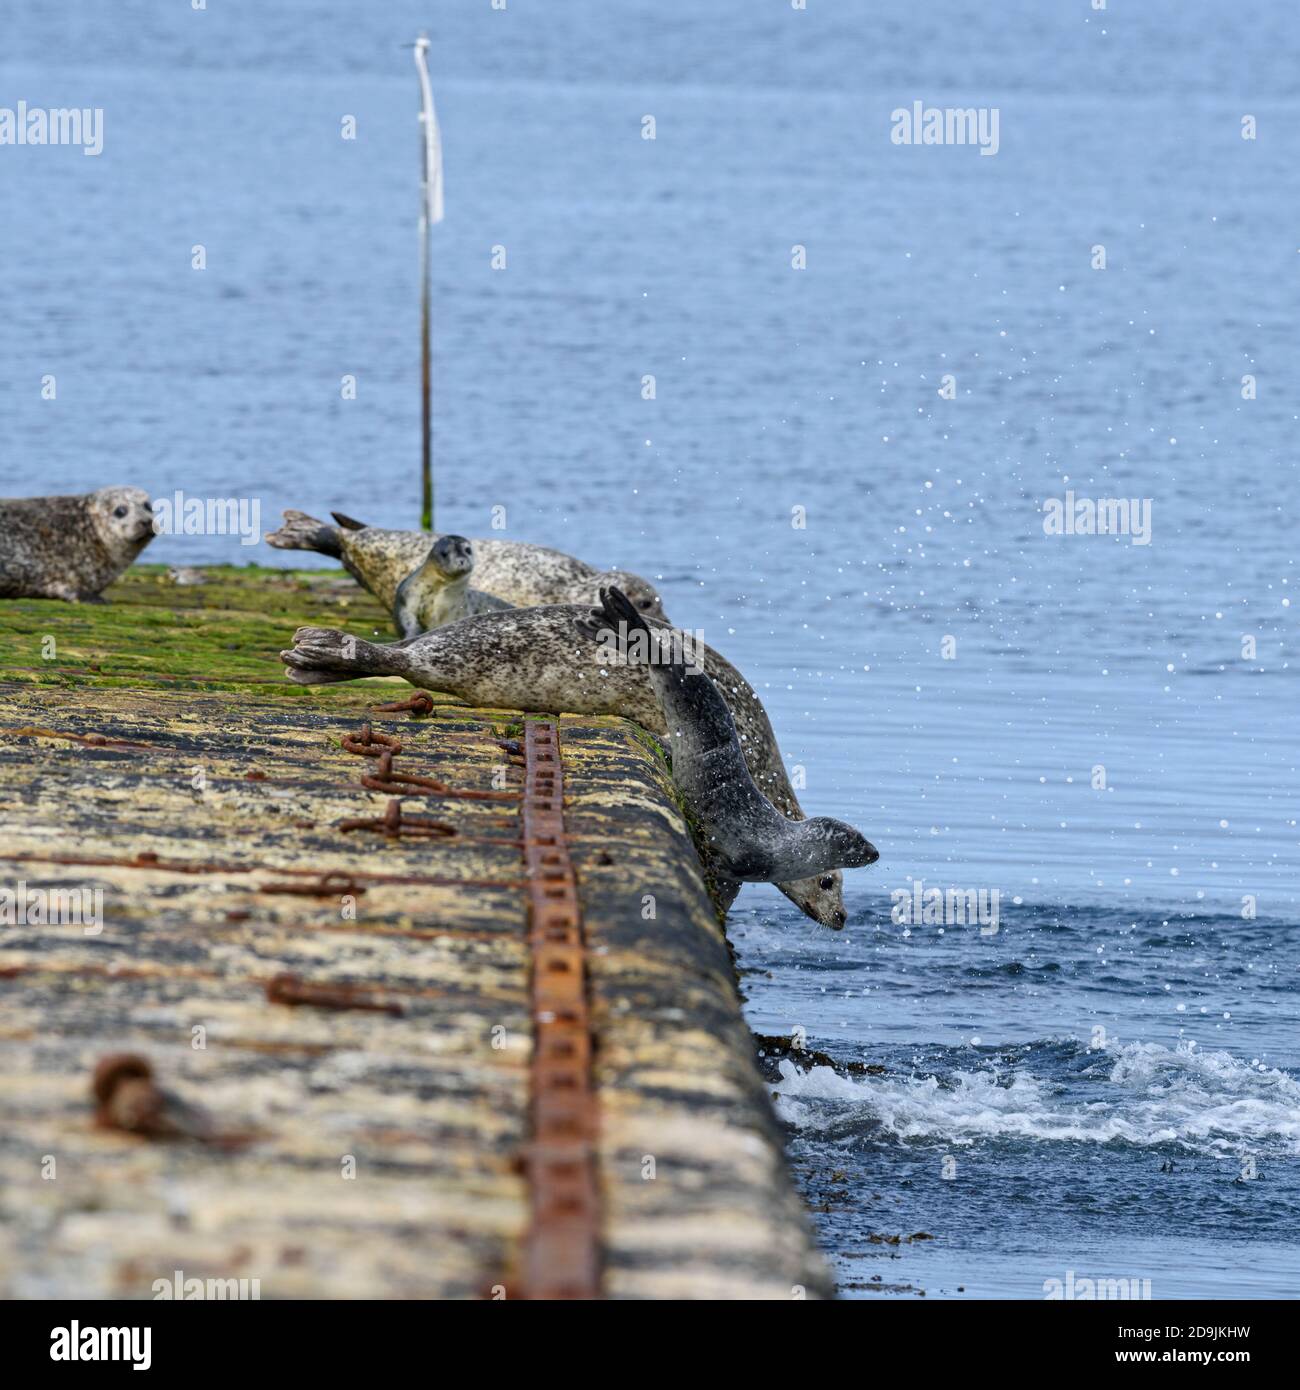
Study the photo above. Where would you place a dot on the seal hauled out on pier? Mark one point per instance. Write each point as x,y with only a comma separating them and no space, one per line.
534,659
752,840
520,574
438,592
71,548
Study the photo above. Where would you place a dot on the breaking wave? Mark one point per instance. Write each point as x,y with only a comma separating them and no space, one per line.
1139,1093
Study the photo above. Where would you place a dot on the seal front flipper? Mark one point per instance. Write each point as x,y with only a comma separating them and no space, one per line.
406,618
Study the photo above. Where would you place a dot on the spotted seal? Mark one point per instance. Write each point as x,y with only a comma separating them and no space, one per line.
520,574
71,548
534,659
751,841
438,592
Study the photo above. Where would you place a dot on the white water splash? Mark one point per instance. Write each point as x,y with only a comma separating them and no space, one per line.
1211,1102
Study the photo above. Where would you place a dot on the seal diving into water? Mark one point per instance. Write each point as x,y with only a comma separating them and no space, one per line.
752,840
513,571
438,592
71,548
534,659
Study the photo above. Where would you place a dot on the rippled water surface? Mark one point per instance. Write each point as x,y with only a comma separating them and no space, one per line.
1088,1090
1079,723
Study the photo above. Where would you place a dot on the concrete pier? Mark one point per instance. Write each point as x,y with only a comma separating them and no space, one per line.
336,1000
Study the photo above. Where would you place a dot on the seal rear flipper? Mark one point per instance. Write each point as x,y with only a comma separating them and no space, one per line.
348,523
323,654
595,623
614,622
303,532
405,617
620,609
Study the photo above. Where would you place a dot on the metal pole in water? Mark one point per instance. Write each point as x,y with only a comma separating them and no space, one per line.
430,212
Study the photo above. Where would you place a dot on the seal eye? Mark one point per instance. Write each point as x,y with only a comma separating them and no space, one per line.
827,883
119,511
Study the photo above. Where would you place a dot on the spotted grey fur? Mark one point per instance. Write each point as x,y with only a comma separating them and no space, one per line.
71,548
534,659
513,571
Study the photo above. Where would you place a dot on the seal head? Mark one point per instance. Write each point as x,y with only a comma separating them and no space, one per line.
123,520
750,840
438,592
451,557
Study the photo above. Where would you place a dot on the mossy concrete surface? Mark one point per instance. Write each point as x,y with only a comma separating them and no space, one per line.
154,762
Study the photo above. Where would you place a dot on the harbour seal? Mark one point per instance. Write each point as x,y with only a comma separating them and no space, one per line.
751,841
534,659
438,592
520,574
71,548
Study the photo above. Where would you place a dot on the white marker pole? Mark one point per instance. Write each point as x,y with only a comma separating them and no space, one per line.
430,212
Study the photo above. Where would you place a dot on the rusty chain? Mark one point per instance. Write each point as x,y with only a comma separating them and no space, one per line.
561,1250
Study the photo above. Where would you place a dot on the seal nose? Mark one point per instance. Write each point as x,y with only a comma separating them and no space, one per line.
838,918
871,853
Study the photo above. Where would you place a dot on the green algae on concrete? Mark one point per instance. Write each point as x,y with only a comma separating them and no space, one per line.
222,633
382,1157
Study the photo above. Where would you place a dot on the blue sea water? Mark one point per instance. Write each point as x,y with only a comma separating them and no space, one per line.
1103,732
